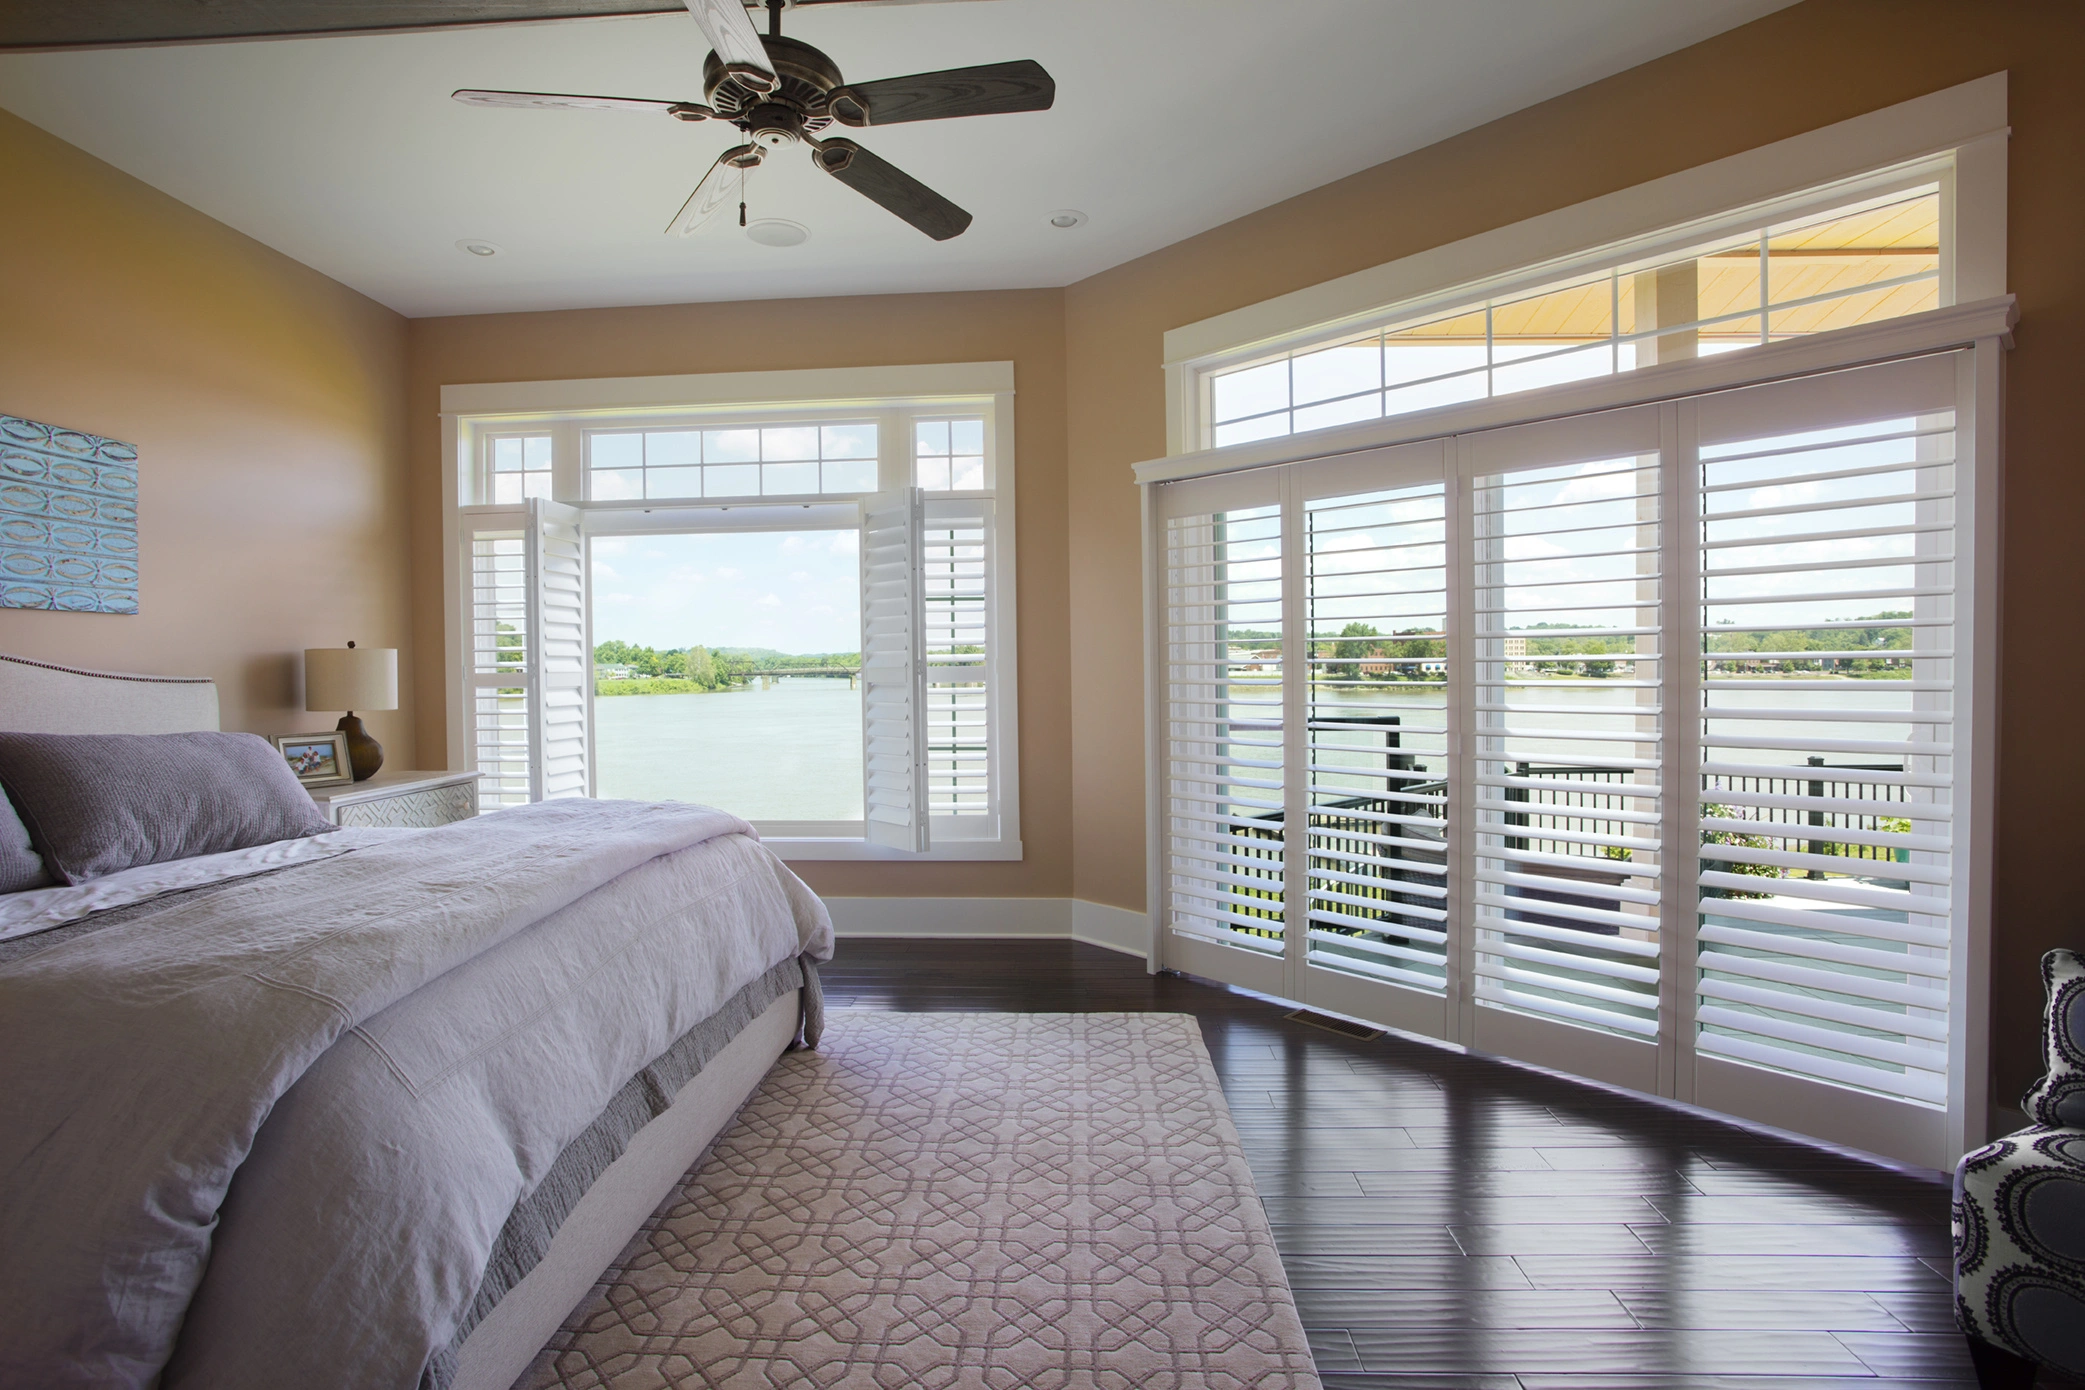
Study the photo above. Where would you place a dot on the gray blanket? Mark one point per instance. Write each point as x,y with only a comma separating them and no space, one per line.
481,991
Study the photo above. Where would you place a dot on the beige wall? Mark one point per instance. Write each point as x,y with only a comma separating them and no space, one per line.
1801,68
1023,327
267,404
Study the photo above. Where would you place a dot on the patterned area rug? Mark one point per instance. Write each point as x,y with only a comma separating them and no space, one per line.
1014,1201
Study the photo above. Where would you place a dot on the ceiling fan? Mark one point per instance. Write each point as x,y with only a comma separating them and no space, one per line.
781,91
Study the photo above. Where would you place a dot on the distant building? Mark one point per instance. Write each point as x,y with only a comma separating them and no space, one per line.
610,671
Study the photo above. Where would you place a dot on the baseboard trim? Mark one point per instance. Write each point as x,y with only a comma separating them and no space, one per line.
993,919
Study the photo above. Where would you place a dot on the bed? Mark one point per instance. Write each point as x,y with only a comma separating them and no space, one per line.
364,1108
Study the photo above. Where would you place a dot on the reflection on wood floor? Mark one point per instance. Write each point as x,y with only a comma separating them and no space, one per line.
1461,1223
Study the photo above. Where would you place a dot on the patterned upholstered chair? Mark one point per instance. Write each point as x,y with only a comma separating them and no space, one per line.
2019,1213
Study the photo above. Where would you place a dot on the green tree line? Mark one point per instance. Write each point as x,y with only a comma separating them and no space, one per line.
685,670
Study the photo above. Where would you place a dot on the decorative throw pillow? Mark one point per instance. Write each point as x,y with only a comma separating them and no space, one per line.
96,803
2058,1099
21,867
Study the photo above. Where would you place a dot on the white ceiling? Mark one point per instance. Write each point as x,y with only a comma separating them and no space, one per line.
1172,116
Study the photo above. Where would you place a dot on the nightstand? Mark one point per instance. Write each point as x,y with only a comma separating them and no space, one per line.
417,800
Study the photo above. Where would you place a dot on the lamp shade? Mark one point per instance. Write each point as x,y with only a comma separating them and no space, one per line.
350,678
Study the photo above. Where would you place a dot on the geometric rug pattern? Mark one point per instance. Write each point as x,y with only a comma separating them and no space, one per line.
968,1201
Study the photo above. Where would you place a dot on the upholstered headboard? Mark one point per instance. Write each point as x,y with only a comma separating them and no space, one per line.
39,698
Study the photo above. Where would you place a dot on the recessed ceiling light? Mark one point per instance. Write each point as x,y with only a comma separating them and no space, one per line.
472,246
774,231
1067,218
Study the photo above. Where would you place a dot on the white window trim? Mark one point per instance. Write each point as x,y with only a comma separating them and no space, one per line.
1961,130
471,409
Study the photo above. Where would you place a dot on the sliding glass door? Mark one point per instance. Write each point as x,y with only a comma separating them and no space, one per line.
1627,743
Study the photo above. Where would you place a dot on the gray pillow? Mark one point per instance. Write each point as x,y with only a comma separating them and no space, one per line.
21,867
96,803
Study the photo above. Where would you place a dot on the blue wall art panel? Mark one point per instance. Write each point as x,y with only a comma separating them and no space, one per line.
68,520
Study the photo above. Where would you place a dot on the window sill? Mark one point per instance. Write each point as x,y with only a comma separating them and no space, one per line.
792,848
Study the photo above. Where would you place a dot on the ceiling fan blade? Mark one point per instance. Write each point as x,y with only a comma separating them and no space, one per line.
715,189
731,33
890,187
992,90
34,24
559,101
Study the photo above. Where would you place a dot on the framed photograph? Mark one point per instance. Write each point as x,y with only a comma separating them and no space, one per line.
319,760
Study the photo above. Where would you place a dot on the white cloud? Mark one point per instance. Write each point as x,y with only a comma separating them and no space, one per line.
610,545
769,601
799,577
727,572
793,545
846,542
604,571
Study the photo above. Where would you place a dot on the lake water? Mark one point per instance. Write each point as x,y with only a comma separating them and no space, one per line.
790,752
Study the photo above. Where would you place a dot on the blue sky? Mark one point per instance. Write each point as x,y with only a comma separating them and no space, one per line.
795,591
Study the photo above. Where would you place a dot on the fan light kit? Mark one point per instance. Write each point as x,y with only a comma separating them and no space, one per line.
775,231
1067,219
780,92
478,248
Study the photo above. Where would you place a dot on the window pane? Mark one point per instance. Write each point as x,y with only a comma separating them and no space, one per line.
1338,371
1265,427
535,485
966,474
930,437
933,474
1427,395
1838,255
615,484
506,454
615,450
848,441
506,488
1317,417
788,479
1557,365
726,672
966,436
536,451
731,446
675,449
789,443
737,480
850,475
673,482
1253,391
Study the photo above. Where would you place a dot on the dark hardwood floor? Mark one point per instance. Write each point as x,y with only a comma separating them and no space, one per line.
1459,1222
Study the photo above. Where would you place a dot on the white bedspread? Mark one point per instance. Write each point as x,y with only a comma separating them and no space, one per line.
377,1053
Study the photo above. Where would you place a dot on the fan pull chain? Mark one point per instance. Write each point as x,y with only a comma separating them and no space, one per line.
741,197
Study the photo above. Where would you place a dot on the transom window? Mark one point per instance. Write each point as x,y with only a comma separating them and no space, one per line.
784,460
520,466
1879,258
949,455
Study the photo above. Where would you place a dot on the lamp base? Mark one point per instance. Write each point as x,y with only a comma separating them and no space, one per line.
365,754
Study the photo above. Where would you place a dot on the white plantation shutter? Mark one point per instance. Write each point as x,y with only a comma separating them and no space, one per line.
496,662
1681,797
1829,746
955,568
894,702
1225,834
560,670
1376,596
1568,720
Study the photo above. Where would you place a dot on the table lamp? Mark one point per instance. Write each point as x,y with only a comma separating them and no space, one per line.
353,678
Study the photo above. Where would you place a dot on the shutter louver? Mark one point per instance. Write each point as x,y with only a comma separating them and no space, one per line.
1376,596
498,663
561,669
1828,673
955,570
1224,813
1567,718
894,774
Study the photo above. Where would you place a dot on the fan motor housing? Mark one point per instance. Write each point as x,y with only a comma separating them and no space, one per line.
805,74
